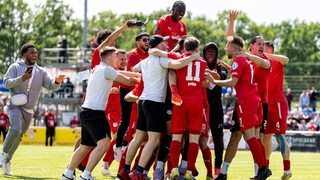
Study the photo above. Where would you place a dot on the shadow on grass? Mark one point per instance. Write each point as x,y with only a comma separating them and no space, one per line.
25,177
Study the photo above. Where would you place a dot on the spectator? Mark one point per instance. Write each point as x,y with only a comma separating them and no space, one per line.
4,119
307,112
63,44
296,111
317,121
289,98
51,124
229,99
68,88
303,125
294,125
304,99
311,126
313,98
74,122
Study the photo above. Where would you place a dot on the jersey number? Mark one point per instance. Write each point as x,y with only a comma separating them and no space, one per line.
196,77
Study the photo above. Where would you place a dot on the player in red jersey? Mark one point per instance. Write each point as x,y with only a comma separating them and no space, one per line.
51,124
4,119
171,24
137,54
248,102
189,84
278,109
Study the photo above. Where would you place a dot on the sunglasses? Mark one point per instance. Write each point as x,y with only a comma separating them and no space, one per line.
145,39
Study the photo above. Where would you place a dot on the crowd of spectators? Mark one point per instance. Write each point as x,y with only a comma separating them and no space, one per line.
304,116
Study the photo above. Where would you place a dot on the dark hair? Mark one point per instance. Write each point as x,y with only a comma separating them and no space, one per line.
141,34
25,48
178,4
236,40
269,44
107,51
191,43
254,39
103,34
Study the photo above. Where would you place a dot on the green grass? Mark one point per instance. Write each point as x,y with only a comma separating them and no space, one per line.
40,162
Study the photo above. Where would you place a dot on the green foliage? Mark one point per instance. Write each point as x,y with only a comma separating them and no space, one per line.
45,23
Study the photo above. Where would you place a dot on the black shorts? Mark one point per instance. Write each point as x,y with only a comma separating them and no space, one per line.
151,116
94,126
168,105
235,125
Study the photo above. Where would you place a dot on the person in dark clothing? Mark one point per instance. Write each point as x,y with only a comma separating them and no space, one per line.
313,98
63,52
51,124
210,54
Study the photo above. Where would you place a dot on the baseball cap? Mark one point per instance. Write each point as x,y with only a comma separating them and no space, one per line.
157,39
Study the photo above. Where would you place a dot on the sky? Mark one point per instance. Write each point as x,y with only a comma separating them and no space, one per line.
259,11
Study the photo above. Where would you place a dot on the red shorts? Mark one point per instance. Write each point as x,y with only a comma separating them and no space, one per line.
277,118
205,123
114,119
188,115
247,111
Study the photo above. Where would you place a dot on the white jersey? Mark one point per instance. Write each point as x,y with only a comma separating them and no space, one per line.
99,87
154,71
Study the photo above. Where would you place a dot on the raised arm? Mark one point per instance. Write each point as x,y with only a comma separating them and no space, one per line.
232,17
110,40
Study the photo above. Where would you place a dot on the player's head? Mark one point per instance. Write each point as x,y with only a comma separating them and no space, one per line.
256,45
268,47
178,10
181,49
122,59
159,42
29,53
210,53
142,41
109,56
191,44
103,35
234,44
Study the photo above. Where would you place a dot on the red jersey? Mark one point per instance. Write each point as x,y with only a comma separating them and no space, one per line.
167,27
275,83
95,58
243,70
189,79
261,76
3,120
114,102
50,120
134,57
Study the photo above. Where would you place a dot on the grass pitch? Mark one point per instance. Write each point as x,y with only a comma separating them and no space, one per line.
41,162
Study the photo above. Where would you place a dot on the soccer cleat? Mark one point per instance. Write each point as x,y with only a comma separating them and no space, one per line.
117,153
6,168
263,173
158,174
90,178
3,157
105,172
64,177
222,177
217,171
286,176
135,176
174,174
252,177
188,176
123,175
167,176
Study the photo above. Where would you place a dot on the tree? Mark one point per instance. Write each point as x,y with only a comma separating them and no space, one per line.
14,24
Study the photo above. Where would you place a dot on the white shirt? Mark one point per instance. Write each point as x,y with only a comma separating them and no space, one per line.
99,86
154,71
